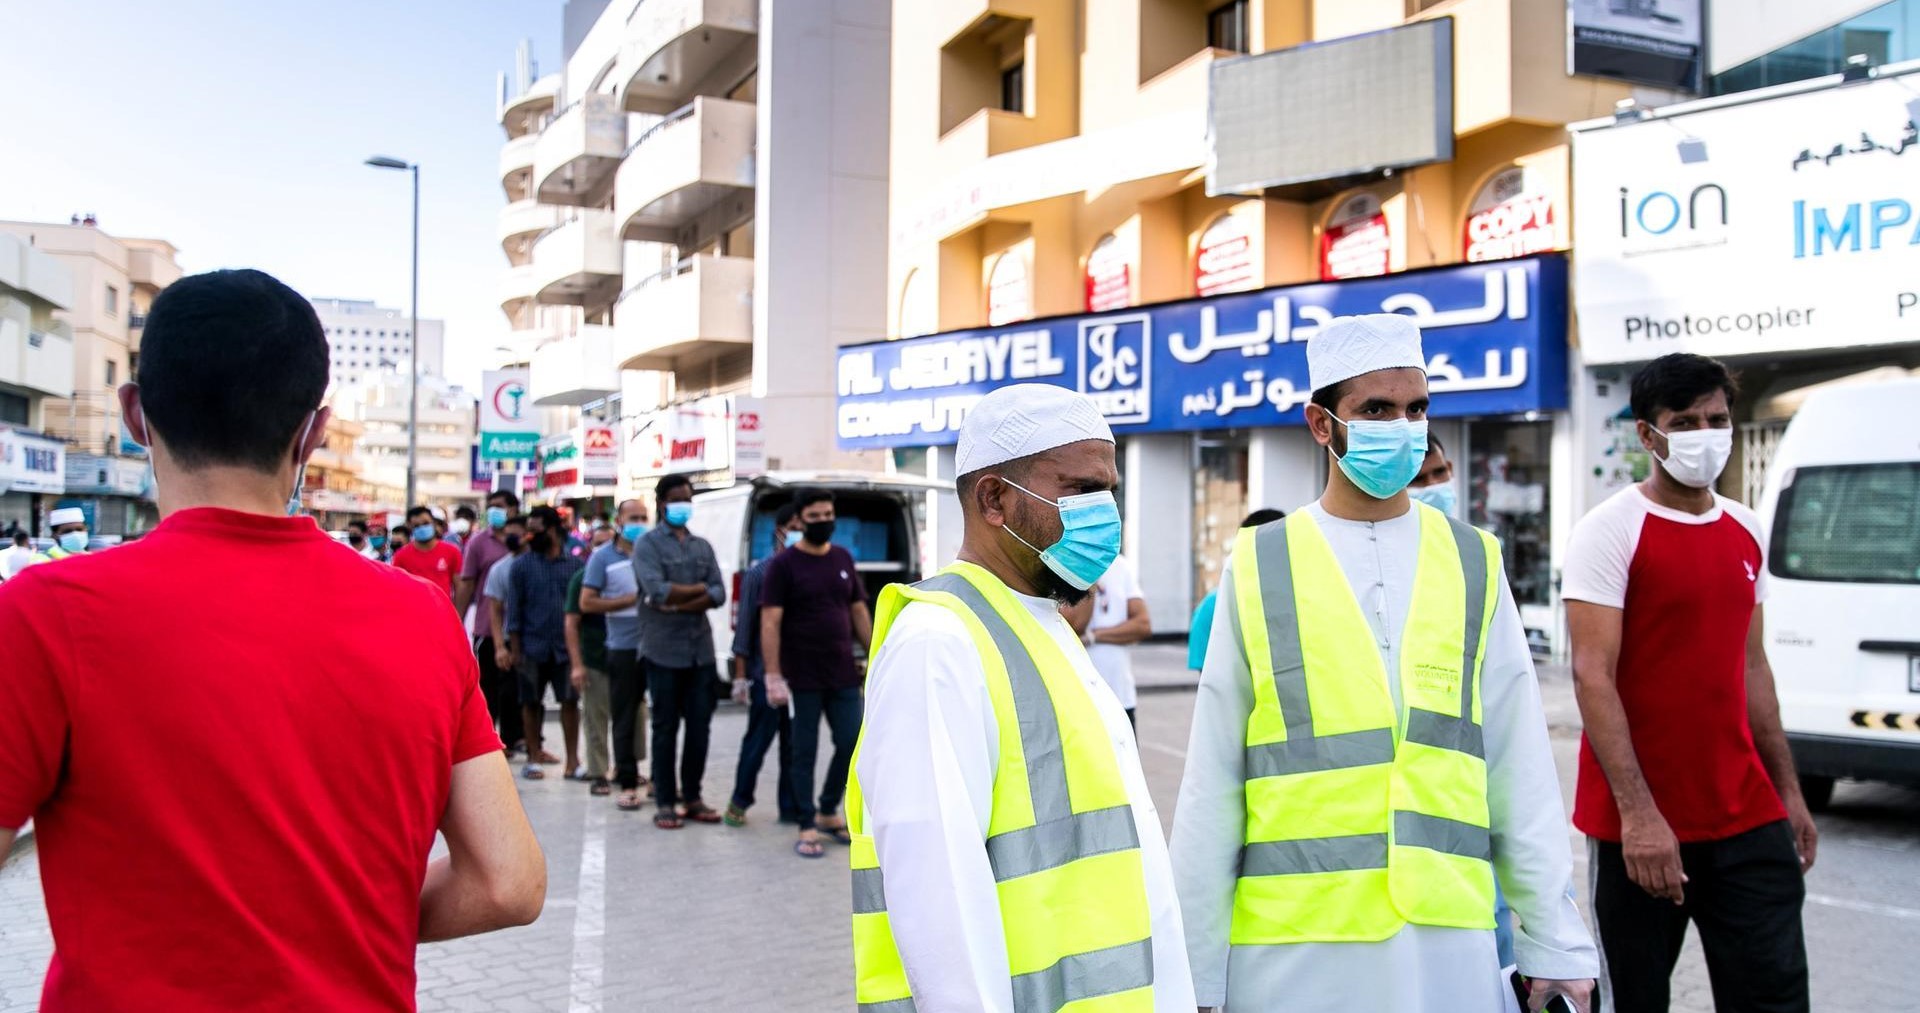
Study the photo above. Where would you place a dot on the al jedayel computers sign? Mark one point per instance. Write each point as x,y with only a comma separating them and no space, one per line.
1775,225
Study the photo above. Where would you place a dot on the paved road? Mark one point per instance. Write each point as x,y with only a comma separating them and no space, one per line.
720,919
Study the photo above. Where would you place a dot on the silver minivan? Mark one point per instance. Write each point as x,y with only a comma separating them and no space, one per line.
898,528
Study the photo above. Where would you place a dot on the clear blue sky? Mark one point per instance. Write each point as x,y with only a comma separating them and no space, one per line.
236,129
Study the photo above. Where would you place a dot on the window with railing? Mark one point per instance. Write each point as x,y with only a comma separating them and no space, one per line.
1227,27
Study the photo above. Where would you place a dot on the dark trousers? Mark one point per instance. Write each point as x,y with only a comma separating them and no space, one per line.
679,695
629,688
1743,893
765,725
501,690
843,708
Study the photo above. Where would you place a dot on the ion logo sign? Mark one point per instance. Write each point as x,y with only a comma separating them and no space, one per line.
1690,221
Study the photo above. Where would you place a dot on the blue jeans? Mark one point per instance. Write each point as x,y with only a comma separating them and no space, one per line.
765,725
843,709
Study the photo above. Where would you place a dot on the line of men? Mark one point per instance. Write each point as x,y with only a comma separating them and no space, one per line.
1369,768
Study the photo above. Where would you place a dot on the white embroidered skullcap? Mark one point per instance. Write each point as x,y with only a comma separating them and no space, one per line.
1023,420
66,515
1350,346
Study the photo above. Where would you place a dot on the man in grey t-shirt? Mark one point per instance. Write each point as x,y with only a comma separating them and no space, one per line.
609,589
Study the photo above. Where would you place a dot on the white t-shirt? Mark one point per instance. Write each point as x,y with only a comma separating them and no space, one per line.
13,559
1110,598
1600,553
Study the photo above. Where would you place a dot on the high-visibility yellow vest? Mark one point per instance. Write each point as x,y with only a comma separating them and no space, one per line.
1361,820
1061,839
53,553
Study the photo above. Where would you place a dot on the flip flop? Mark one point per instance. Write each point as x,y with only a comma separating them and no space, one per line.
735,816
700,812
533,773
629,801
667,819
600,786
841,834
809,849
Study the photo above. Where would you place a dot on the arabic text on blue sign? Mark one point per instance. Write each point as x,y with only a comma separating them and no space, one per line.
1494,336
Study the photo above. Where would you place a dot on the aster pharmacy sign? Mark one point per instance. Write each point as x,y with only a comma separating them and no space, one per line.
507,432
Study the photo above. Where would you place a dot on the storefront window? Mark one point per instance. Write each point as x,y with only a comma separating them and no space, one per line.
1886,34
1219,502
1508,495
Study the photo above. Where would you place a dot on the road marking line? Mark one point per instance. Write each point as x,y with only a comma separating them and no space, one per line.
1167,750
590,915
1866,906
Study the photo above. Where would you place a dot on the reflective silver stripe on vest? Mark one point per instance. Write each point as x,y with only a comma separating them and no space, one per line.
1328,752
1318,854
1473,563
1083,976
895,1006
1275,561
1046,846
1437,833
869,892
1443,731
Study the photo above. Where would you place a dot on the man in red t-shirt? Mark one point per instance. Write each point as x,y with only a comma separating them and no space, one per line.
195,878
426,555
1687,791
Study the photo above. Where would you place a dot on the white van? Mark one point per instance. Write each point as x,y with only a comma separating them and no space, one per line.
898,527
1842,513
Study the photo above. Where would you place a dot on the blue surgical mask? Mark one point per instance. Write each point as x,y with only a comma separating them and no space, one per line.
792,538
632,532
1439,497
1382,457
496,517
73,541
1089,536
678,514
377,541
423,533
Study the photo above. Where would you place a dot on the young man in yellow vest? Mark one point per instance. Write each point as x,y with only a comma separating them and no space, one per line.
1006,855
1373,754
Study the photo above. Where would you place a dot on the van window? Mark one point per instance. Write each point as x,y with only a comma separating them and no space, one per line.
1855,523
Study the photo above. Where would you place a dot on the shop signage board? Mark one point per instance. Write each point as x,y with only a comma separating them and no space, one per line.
599,453
1356,242
749,437
1779,225
688,438
1109,277
1654,42
1494,336
32,463
1224,261
559,462
1009,289
507,429
99,475
1511,216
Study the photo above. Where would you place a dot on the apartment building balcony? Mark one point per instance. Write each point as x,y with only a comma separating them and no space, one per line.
683,166
577,263
517,289
88,420
692,312
516,166
576,369
526,112
574,159
990,132
674,45
37,359
521,222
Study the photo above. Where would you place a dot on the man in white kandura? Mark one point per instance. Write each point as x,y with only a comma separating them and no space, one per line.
1370,753
1006,855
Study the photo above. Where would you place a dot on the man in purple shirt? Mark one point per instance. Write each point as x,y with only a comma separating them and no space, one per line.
482,551
815,605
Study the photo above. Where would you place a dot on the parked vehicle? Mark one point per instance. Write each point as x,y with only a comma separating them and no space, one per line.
898,527
1842,512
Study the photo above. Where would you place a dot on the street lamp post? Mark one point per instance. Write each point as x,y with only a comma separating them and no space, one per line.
413,339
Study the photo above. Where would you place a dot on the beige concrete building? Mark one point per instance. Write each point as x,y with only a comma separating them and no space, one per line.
1054,157
379,449
683,149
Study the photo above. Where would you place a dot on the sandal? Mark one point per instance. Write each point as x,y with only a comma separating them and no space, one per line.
577,774
735,817
841,834
629,801
667,819
700,812
532,772
600,786
809,849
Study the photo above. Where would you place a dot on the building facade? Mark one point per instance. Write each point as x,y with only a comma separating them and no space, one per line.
445,428
113,282
684,148
36,363
365,340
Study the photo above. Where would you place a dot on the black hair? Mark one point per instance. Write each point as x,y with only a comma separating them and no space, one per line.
417,511
1674,381
669,483
232,363
1266,515
785,515
520,519
808,497
20,538
507,496
362,525
1433,443
1328,397
465,511
550,517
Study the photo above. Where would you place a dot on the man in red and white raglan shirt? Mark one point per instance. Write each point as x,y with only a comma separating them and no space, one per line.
184,871
1687,790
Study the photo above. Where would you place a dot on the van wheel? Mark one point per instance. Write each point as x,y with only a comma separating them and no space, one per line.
1818,792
